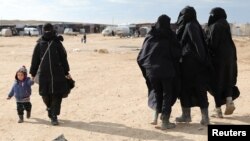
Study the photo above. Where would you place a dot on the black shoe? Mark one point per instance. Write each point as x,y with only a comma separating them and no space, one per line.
54,120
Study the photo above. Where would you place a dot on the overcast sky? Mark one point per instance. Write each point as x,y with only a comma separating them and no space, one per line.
118,11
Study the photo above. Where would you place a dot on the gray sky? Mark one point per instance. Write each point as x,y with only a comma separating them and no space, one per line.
118,11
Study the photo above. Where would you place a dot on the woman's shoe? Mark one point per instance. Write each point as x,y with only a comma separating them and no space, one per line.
217,113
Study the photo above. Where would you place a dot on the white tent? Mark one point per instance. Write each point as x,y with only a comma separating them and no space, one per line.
6,32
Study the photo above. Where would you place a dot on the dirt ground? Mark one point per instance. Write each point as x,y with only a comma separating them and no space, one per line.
109,102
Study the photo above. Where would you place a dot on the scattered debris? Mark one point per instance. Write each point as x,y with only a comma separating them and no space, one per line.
76,50
104,51
201,128
60,138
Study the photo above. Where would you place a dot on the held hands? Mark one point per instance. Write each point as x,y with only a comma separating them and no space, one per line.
32,80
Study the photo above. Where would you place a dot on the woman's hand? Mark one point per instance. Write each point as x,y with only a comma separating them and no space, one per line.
68,76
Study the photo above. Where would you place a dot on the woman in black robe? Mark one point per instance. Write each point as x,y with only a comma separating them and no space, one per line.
51,57
194,65
224,60
157,61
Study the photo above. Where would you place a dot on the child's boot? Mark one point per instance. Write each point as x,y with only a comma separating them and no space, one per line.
28,114
20,119
154,122
185,117
229,106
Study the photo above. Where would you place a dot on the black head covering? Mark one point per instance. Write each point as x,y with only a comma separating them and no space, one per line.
48,32
162,28
48,27
186,15
163,22
216,14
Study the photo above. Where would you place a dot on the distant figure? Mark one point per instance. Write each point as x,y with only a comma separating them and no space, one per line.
224,60
21,89
112,33
84,38
138,33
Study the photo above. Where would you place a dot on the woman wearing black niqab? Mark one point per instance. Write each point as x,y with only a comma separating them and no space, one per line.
223,85
50,57
193,65
157,61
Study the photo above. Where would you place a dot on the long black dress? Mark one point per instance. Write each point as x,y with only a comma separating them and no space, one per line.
224,58
54,67
194,65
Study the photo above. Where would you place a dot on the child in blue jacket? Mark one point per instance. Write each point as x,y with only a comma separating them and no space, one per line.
21,89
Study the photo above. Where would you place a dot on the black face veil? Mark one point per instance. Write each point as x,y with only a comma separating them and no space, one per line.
216,14
163,22
162,27
187,14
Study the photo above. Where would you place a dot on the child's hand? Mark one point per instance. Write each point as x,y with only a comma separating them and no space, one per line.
8,98
32,82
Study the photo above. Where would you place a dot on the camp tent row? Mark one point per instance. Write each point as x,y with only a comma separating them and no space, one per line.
19,29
